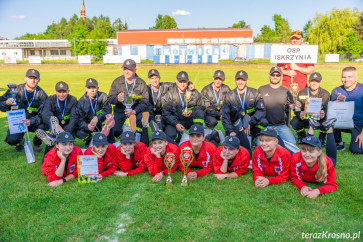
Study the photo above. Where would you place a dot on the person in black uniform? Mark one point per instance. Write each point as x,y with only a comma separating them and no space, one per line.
301,121
31,97
59,115
213,96
130,89
243,111
182,107
92,110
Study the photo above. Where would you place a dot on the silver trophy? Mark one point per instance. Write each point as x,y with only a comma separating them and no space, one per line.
12,87
128,102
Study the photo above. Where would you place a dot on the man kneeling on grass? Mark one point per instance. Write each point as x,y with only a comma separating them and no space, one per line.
232,158
270,159
154,156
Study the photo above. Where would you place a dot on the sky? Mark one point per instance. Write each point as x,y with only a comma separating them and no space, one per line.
18,17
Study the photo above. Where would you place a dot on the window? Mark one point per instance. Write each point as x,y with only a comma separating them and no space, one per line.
4,53
32,52
115,51
134,50
54,52
40,53
63,52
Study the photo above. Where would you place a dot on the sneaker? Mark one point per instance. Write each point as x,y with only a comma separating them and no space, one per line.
20,147
54,126
154,126
322,138
314,123
132,120
328,123
145,119
341,146
37,149
46,138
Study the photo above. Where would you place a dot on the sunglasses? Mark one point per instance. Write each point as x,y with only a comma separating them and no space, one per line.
278,75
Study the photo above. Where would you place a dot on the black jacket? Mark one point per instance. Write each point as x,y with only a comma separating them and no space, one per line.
70,113
322,93
232,110
36,106
85,113
209,100
140,90
164,88
172,106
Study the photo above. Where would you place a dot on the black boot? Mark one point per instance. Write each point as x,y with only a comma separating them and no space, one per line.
322,138
300,136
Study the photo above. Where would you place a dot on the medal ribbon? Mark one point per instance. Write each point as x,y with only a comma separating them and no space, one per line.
157,98
127,87
181,101
215,96
26,96
90,102
244,99
60,110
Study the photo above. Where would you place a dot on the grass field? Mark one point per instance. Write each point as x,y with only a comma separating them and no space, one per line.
134,208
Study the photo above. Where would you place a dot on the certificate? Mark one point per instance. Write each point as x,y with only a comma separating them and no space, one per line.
87,168
313,108
15,121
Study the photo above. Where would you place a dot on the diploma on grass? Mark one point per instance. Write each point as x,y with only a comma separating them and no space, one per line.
15,121
87,168
313,108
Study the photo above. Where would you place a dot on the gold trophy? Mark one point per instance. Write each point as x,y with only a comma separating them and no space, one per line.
186,158
12,87
294,89
188,97
169,161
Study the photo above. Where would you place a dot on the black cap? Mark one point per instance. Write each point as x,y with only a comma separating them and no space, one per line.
275,69
231,141
127,136
91,82
241,75
315,76
99,139
64,137
33,72
311,140
182,76
153,72
129,64
196,129
268,131
219,74
158,135
61,86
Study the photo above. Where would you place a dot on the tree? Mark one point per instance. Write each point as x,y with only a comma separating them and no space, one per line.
240,24
267,35
330,30
306,28
164,22
281,33
358,27
118,26
352,46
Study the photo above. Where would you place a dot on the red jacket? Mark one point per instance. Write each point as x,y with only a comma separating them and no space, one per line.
104,163
52,161
300,172
278,167
156,165
134,166
239,164
205,158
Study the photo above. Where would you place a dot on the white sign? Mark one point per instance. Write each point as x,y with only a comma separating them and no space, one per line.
35,60
10,60
119,59
294,54
332,58
84,59
15,121
88,165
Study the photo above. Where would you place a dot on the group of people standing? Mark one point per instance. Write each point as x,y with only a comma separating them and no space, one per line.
169,108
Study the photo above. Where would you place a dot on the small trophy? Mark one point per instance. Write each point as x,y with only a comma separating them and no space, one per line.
294,89
169,161
128,102
12,87
188,97
186,157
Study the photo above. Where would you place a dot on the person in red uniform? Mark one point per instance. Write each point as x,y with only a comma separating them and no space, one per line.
230,160
154,156
298,71
129,156
270,159
203,152
60,163
105,153
312,165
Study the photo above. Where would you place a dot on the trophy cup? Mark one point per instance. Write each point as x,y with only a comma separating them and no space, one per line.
186,157
188,97
12,87
294,89
169,161
128,102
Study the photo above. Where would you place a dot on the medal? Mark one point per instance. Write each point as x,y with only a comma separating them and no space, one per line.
63,122
154,109
30,111
218,108
93,108
127,87
244,102
218,100
157,98
60,110
26,97
243,113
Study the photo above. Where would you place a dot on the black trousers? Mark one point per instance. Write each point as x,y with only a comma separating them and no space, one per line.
354,146
211,120
14,139
85,133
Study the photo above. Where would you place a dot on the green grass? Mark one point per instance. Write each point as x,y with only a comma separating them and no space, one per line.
134,208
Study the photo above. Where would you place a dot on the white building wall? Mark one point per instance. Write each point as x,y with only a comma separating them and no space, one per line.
17,53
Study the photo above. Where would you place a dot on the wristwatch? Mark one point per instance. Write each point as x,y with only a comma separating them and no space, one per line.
127,174
225,176
64,180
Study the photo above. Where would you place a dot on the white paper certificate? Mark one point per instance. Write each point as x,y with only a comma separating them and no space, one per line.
313,107
15,121
88,165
